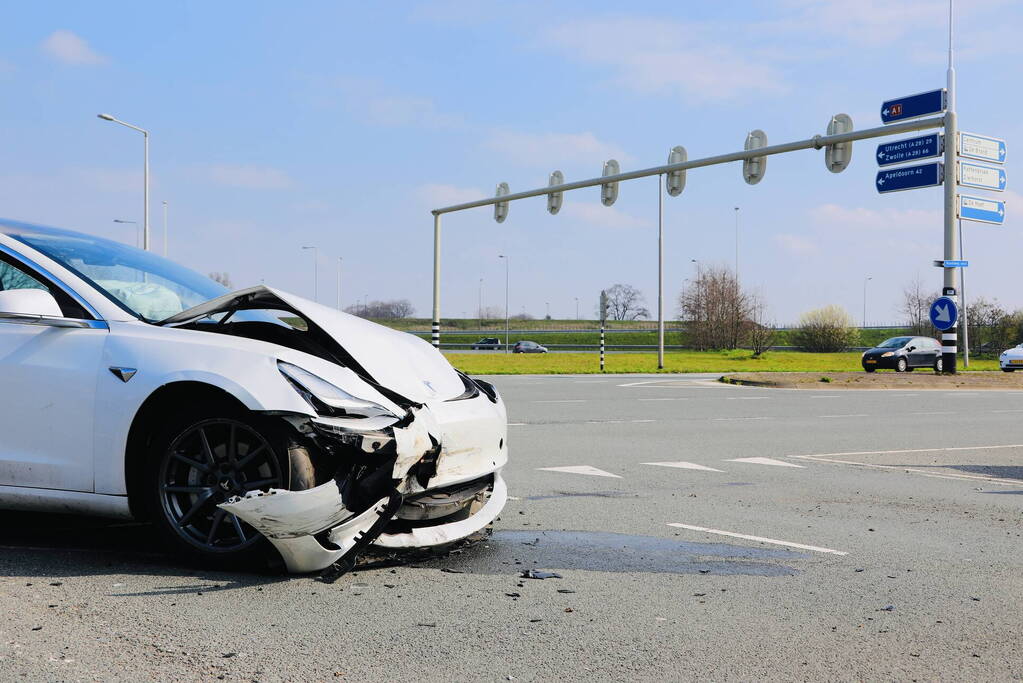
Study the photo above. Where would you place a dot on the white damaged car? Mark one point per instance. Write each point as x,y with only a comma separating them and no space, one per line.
131,387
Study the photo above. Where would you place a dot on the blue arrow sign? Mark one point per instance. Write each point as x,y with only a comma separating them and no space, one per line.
944,313
982,147
909,177
913,106
910,149
979,175
981,209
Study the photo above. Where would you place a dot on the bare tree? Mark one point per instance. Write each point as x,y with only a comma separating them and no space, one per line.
760,333
386,310
222,278
916,305
625,302
492,313
715,310
991,326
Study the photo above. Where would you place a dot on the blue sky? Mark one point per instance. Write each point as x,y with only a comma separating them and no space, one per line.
277,125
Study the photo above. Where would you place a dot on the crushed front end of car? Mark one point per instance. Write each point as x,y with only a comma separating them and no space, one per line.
397,448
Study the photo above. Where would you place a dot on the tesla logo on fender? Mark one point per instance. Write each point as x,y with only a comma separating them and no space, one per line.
123,374
429,386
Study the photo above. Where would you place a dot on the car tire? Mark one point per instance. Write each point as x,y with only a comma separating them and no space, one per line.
191,468
901,365
1008,369
938,365
869,369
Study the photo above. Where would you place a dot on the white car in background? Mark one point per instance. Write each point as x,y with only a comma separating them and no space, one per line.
132,387
1011,359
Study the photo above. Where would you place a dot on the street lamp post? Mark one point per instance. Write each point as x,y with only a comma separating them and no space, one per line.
865,281
145,176
507,325
165,228
340,260
135,223
577,308
737,244
315,272
479,308
548,309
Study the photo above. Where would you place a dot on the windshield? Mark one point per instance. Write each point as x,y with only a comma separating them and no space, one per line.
142,283
894,343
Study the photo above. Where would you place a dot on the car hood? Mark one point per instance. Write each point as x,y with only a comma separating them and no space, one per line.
396,360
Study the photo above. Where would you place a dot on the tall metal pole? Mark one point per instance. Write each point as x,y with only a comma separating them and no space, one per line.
964,314
145,180
737,245
165,228
660,273
340,262
865,281
577,308
479,308
435,325
507,324
315,273
951,275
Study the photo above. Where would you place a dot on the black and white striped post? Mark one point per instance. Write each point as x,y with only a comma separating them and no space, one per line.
603,322
435,326
950,338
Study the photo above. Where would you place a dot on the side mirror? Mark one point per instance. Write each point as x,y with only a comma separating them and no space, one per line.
29,302
911,348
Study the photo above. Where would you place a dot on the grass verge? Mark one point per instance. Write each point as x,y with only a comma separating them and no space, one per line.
680,361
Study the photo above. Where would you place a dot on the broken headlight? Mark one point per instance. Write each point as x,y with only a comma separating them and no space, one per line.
326,398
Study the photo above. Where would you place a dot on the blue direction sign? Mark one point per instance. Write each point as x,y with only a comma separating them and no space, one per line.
944,313
955,264
981,176
910,149
909,177
981,209
982,147
913,106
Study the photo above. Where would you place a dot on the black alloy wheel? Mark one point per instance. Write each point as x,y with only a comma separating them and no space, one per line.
205,465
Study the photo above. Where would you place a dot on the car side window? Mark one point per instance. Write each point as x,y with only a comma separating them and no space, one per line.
14,275
14,278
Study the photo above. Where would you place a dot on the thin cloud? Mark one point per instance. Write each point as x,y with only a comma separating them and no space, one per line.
832,217
554,149
795,243
604,216
249,177
372,103
699,61
436,195
69,48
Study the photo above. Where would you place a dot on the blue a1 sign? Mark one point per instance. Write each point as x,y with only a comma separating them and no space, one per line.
944,313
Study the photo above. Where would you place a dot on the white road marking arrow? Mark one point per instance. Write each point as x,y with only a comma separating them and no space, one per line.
683,466
765,461
580,469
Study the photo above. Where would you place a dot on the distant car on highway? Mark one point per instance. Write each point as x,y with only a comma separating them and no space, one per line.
486,344
903,354
528,347
1011,359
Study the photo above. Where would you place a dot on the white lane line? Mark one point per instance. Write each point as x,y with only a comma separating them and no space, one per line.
827,396
638,421
747,398
1008,411
765,461
734,419
662,399
517,424
683,465
761,539
564,400
580,469
999,481
850,415
908,450
935,412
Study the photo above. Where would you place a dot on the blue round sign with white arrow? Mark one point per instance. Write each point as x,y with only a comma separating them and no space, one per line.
944,313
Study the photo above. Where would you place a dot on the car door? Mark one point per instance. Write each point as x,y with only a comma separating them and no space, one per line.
48,372
922,353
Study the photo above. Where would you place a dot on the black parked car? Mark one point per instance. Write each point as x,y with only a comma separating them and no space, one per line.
528,347
903,354
487,344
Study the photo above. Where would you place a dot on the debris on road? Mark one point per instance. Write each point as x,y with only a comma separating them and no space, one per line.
537,574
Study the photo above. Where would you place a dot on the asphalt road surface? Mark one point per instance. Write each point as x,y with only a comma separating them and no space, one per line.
701,531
